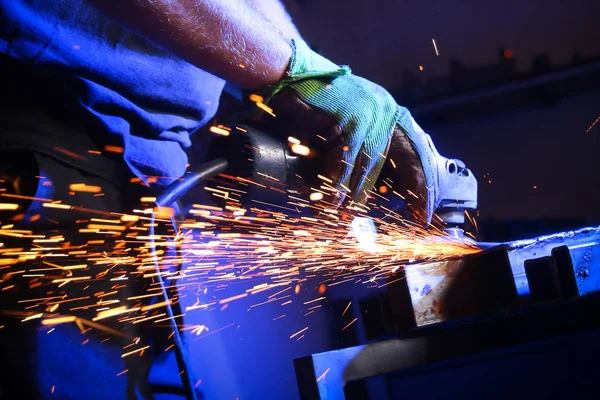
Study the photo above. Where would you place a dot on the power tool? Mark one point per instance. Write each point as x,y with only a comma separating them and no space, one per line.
275,172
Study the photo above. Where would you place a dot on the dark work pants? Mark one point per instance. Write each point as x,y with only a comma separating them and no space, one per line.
66,363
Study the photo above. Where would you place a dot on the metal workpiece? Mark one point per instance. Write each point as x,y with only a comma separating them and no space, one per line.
479,284
559,267
584,249
511,294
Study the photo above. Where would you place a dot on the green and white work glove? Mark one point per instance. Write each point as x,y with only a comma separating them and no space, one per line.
356,127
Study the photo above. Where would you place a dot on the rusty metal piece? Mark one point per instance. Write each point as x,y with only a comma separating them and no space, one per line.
479,284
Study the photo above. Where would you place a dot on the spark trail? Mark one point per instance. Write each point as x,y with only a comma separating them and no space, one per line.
59,275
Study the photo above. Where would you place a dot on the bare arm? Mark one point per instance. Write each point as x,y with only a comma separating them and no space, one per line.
228,38
276,13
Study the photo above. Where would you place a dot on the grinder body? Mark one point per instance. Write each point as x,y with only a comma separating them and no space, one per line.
270,173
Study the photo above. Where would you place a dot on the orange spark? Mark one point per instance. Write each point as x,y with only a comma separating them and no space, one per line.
316,196
592,125
265,108
82,187
69,153
351,322
134,351
114,149
437,53
346,309
323,375
300,149
299,332
232,298
58,320
219,131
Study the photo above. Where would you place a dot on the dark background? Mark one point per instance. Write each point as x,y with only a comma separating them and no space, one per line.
533,137
513,93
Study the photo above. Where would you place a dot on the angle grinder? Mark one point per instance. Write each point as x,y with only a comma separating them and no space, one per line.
269,172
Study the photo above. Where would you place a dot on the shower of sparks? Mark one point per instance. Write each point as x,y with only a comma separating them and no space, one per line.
85,276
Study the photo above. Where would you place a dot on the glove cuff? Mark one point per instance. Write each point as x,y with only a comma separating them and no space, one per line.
305,63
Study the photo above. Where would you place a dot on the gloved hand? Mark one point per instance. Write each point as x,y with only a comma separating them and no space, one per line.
355,125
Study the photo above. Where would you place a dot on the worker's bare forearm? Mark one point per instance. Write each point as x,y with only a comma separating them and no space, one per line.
276,13
228,38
